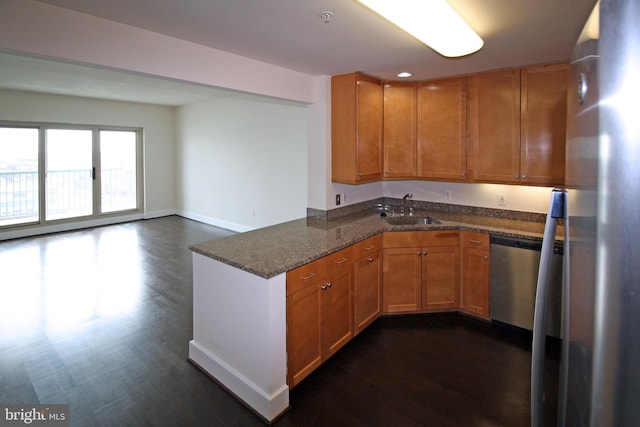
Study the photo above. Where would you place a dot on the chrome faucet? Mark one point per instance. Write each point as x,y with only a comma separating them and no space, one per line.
406,197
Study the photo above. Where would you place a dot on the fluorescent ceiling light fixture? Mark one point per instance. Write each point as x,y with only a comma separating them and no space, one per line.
433,22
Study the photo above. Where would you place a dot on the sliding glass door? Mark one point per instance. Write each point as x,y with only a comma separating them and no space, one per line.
69,173
19,183
50,173
118,171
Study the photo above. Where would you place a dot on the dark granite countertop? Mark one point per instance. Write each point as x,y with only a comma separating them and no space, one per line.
273,250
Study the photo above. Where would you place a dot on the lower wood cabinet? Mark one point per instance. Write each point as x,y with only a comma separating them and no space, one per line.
421,271
367,283
319,313
475,274
334,298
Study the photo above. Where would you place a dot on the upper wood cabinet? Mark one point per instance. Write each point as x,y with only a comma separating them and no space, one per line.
517,125
356,129
543,124
442,129
399,129
494,126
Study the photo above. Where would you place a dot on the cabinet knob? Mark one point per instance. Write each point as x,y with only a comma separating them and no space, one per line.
516,176
485,257
323,287
329,285
524,177
359,173
370,259
462,174
419,253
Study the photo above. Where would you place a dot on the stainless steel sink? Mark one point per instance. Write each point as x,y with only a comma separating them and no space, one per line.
411,220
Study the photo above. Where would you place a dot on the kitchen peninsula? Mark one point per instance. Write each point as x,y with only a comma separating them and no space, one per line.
240,287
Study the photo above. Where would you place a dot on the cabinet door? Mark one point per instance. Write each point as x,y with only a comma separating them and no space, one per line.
399,130
442,129
337,300
475,281
544,123
494,126
367,291
441,278
401,272
356,129
369,130
304,333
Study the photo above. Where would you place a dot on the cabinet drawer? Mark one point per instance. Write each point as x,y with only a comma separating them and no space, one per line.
306,275
367,247
477,240
410,239
402,239
442,238
339,261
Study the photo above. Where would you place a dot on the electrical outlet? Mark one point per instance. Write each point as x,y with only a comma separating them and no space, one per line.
337,200
502,199
447,195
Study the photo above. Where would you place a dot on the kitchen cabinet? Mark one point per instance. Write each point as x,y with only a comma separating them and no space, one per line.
421,271
319,312
367,282
543,124
517,122
356,129
442,129
475,273
399,129
494,126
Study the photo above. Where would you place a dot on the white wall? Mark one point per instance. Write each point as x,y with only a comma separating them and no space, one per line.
241,161
156,121
55,32
518,197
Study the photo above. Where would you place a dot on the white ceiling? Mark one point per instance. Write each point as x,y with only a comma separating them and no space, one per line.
292,34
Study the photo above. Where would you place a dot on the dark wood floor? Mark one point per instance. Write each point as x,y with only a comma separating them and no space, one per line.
100,319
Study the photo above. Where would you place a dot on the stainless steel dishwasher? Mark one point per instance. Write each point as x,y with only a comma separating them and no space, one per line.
513,277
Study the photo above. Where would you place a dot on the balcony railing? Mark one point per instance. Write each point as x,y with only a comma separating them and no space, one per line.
69,194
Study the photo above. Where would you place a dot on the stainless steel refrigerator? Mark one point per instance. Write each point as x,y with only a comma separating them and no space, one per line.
600,208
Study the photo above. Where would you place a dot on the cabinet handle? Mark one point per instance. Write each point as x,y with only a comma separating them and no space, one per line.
341,261
309,276
477,242
368,248
370,259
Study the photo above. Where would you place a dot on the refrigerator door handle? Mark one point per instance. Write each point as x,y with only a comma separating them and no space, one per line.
556,210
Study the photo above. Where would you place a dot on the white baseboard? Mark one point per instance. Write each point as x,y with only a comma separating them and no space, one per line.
215,222
268,406
67,226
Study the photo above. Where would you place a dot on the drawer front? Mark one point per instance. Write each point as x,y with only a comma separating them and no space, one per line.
367,247
339,261
402,239
476,240
442,238
411,239
306,275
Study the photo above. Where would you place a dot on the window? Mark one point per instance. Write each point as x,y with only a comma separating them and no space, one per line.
54,173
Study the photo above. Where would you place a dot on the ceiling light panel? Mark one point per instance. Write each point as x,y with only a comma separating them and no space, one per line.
433,22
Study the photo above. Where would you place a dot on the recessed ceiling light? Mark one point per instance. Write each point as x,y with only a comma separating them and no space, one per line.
404,74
